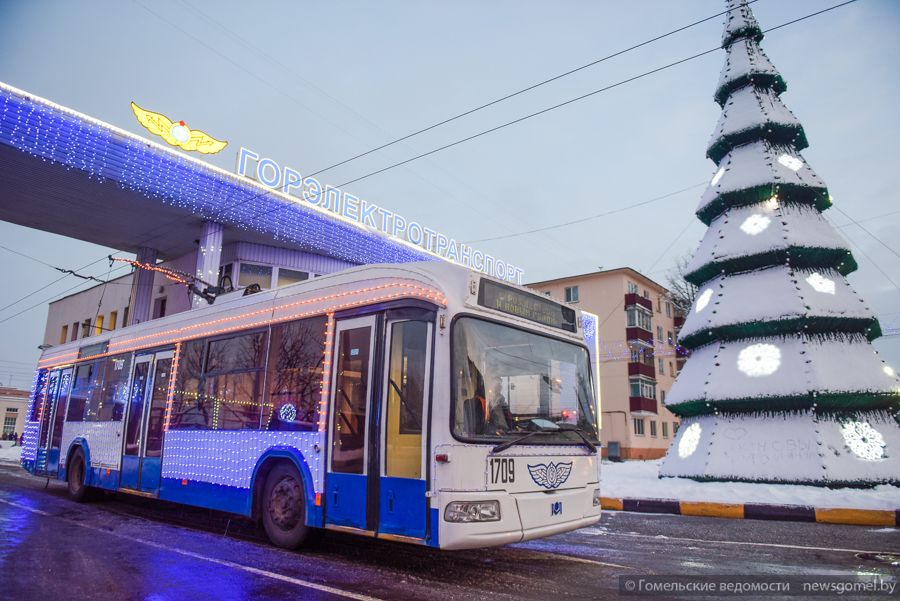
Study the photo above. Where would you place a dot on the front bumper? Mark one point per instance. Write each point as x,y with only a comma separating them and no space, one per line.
523,516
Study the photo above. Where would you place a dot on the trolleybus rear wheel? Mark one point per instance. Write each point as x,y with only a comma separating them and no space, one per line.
284,508
76,490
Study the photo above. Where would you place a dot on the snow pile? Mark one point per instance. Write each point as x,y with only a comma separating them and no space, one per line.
9,453
639,480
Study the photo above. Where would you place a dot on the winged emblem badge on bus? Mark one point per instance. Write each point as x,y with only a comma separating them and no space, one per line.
550,475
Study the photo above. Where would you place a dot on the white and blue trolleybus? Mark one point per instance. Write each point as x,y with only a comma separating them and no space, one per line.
420,402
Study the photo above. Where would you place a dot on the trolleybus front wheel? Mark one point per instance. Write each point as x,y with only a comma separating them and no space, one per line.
284,508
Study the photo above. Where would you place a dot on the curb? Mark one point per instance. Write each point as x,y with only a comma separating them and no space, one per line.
757,511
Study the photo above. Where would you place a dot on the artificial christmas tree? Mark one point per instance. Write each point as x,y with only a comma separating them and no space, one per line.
782,384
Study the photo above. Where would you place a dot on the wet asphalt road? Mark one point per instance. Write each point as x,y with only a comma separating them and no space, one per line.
130,548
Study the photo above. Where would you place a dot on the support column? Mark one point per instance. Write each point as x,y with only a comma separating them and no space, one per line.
142,287
209,255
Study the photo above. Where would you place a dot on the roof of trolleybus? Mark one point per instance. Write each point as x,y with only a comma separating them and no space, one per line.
449,287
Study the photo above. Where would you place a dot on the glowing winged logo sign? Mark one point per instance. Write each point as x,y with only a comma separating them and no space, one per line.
551,475
177,133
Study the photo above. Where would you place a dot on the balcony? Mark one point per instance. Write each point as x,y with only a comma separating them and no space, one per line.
636,368
632,299
638,334
642,406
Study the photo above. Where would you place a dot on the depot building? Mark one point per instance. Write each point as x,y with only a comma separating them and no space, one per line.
265,225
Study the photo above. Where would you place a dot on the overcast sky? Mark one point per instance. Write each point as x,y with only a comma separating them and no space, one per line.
312,83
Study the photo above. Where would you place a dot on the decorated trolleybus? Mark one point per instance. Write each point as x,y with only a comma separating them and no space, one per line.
420,402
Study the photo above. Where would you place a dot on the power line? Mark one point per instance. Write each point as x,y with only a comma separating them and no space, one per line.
590,217
526,89
866,230
576,99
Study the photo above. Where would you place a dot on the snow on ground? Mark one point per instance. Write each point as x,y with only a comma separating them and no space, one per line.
639,480
9,453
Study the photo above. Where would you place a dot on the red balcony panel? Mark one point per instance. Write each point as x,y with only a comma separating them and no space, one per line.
641,369
679,321
638,334
632,299
642,404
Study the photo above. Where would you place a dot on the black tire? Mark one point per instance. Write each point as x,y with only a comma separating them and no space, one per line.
283,508
77,490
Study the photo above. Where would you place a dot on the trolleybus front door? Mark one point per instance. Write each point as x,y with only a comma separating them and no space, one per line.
346,484
402,505
142,455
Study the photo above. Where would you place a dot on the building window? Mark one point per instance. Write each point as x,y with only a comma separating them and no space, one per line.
125,317
98,325
658,305
9,423
286,277
64,335
85,328
159,307
646,294
113,319
668,309
653,428
632,288
662,395
572,294
671,338
662,367
671,368
638,317
659,331
255,274
641,387
75,331
638,426
665,429
674,428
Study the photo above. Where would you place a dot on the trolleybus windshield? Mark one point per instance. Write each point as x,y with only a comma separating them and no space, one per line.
507,382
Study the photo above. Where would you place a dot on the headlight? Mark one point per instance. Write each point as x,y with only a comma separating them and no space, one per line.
596,497
472,511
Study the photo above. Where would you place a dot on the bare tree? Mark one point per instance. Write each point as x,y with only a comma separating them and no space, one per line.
683,292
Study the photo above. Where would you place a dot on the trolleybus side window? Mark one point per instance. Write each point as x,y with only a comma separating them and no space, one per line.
85,396
294,379
189,409
233,381
114,393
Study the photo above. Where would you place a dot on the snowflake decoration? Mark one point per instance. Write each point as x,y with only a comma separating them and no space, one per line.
755,224
820,283
864,441
287,413
689,440
759,360
771,204
888,370
703,300
792,163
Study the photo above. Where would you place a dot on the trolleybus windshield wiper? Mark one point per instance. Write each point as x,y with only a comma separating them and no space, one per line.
579,432
505,445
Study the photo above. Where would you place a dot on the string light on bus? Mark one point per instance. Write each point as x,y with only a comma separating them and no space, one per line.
186,333
170,395
326,371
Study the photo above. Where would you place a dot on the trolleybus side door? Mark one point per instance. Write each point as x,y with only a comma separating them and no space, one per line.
346,483
54,417
405,390
142,454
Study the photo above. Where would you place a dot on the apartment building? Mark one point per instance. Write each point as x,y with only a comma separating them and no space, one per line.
638,358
